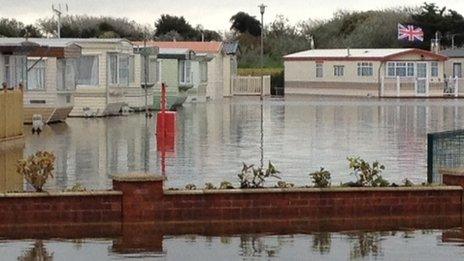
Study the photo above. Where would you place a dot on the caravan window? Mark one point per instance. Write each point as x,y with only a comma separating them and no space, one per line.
184,72
15,70
123,68
119,69
66,74
434,69
88,70
339,70
36,75
401,69
365,69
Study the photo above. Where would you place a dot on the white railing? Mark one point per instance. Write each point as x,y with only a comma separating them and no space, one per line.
452,86
408,86
251,85
405,87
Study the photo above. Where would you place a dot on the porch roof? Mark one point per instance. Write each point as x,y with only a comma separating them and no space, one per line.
40,47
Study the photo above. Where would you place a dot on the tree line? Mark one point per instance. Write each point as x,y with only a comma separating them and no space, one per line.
367,29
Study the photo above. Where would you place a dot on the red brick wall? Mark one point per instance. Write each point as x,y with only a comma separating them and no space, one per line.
146,201
42,208
453,179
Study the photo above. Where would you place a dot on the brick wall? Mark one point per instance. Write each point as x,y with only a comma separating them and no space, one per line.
139,198
145,200
65,207
452,177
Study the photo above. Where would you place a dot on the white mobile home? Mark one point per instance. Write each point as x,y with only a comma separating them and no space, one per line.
455,64
47,76
106,73
365,72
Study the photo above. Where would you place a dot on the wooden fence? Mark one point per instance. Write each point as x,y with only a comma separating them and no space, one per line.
11,115
251,85
10,153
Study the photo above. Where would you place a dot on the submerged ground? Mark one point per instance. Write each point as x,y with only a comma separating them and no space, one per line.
213,139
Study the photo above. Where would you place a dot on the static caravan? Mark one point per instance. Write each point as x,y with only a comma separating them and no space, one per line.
106,73
175,70
221,66
454,67
47,75
365,72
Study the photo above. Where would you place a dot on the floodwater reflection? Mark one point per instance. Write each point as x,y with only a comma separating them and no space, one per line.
359,245
300,135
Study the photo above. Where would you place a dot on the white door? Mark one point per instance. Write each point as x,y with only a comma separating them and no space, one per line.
422,79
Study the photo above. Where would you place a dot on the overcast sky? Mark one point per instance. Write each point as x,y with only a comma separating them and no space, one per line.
212,14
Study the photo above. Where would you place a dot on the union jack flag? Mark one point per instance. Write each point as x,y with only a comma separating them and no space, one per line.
410,33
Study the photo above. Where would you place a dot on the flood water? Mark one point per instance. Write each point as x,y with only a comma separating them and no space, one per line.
387,245
213,139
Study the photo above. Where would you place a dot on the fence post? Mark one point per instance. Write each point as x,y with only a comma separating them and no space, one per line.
382,86
456,86
429,158
398,84
248,82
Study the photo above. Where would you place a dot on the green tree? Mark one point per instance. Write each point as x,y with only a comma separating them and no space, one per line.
245,23
169,27
169,24
82,26
14,28
446,22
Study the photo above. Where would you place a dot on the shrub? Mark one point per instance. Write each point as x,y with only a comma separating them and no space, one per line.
321,178
251,177
37,169
366,174
408,183
283,184
190,187
77,188
209,186
226,185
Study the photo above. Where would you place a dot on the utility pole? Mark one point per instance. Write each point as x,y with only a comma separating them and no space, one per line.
58,11
262,8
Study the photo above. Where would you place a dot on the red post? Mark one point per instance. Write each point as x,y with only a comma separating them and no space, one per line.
165,129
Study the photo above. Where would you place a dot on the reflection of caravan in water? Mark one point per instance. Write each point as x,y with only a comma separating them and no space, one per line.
46,69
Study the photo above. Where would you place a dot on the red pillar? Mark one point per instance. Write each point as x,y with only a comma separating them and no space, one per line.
141,196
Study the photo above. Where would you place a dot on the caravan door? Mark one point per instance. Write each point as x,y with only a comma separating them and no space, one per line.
422,82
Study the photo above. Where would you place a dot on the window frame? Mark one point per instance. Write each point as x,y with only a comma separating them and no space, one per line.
39,66
434,69
365,69
339,70
184,73
408,67
119,69
78,78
